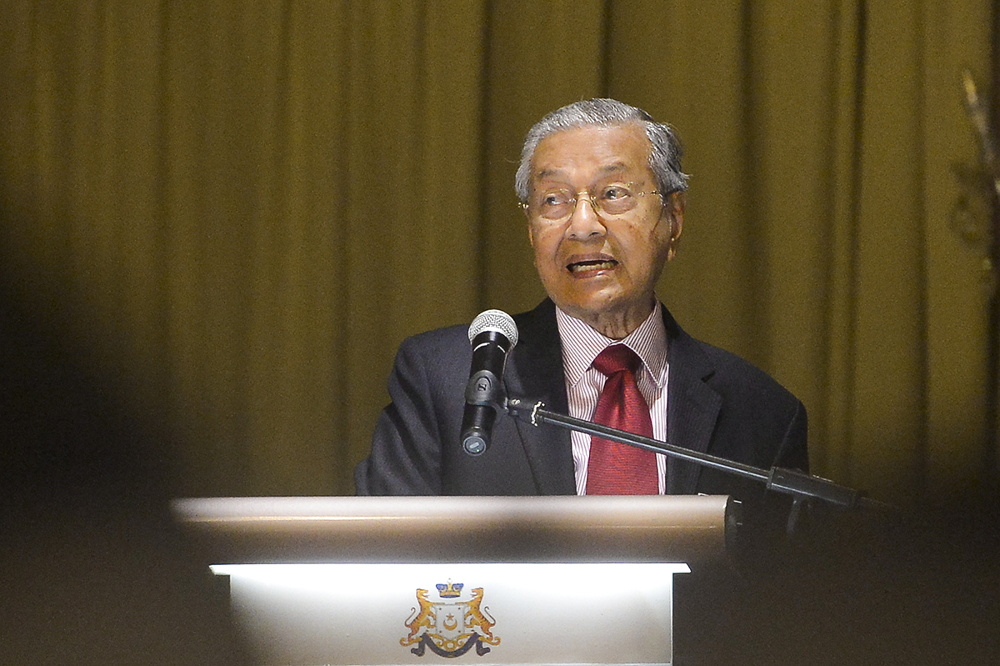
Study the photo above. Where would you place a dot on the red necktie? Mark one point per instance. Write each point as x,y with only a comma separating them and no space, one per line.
620,469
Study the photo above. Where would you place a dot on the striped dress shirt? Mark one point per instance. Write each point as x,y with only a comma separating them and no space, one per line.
580,346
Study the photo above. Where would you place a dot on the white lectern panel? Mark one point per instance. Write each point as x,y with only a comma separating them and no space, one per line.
471,613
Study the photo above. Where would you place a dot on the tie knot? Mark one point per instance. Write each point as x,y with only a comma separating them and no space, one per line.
616,358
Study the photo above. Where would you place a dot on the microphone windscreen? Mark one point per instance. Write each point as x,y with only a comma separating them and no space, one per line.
494,320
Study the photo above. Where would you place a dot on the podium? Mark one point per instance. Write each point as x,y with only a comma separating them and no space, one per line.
471,580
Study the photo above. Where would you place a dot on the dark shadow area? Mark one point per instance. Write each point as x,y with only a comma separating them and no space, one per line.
94,570
854,588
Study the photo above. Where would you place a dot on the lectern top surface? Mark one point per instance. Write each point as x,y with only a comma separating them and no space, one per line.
565,528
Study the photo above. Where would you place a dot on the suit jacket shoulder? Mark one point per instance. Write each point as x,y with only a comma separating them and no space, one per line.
416,449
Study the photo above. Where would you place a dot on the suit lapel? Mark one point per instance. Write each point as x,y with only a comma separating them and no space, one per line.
692,406
535,372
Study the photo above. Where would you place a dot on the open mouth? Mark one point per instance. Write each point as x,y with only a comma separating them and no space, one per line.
594,265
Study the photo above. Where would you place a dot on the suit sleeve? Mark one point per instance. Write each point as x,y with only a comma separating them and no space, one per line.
766,513
793,452
406,452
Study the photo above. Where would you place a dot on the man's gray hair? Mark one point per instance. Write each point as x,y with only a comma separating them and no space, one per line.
664,157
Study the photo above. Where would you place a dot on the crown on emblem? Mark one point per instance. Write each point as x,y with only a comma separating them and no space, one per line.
449,590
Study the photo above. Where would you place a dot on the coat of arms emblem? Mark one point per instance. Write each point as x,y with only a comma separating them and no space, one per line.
451,625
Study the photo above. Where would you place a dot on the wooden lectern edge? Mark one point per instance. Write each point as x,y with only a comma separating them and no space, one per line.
688,529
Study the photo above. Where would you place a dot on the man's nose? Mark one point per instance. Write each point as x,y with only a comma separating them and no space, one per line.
584,221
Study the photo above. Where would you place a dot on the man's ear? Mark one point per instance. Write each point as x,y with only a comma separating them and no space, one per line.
675,209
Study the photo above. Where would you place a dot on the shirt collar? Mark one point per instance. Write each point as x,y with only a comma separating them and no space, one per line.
581,344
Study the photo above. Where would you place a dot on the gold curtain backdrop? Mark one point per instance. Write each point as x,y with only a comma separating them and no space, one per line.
241,209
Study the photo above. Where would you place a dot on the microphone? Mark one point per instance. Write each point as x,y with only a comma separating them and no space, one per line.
493,335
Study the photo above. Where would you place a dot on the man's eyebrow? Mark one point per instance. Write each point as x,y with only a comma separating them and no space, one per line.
612,168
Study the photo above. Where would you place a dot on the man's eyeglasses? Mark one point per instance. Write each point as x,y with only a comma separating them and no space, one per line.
558,204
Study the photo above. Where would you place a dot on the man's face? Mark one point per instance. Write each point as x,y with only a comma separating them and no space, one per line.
600,267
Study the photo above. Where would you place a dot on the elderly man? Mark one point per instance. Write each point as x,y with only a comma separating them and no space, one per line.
602,187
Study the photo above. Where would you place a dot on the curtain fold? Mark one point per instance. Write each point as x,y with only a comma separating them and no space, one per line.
240,211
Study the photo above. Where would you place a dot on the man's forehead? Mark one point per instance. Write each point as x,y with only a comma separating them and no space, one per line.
600,151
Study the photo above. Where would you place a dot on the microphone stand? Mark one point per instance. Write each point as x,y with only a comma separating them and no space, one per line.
801,487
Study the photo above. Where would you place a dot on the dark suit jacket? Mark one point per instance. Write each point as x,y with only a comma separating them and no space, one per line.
717,403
